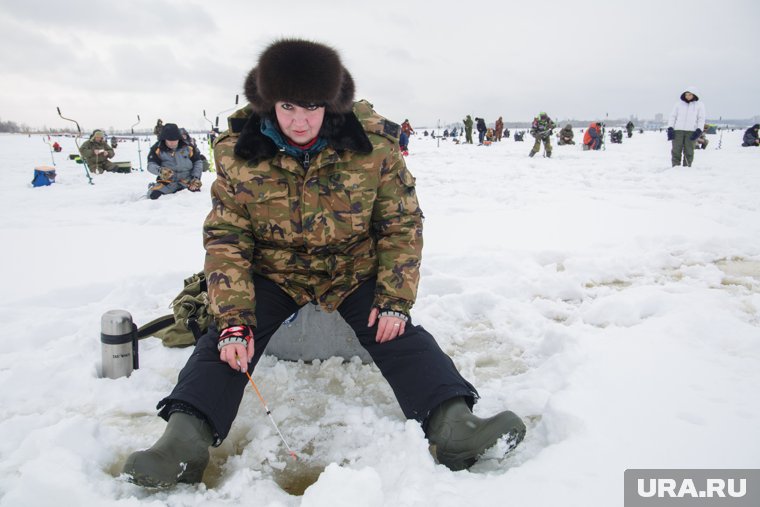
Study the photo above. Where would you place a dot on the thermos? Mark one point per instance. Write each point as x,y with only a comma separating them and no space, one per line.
118,339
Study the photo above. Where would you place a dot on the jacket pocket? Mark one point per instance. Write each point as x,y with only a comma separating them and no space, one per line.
270,216
362,202
348,208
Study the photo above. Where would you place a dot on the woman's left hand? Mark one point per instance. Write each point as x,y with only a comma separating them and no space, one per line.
388,328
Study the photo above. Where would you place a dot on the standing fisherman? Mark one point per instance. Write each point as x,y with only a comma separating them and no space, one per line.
685,126
541,129
468,129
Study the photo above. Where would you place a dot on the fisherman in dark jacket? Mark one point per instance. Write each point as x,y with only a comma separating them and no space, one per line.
629,128
751,137
176,164
481,126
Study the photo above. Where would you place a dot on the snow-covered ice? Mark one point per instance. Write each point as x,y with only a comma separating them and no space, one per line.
610,300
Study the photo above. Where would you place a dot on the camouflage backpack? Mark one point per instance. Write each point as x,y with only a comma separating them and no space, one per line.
190,317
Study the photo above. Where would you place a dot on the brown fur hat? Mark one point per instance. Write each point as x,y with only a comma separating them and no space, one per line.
302,72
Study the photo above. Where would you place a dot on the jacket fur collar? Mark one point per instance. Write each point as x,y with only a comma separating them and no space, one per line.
342,131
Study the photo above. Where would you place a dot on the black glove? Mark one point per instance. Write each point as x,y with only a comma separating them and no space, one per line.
696,134
671,133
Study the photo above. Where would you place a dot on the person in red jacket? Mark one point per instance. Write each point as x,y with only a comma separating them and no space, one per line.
592,139
403,140
407,127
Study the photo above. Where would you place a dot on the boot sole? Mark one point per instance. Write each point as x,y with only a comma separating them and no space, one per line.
147,480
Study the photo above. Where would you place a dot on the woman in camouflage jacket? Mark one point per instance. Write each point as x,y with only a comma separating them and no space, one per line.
313,203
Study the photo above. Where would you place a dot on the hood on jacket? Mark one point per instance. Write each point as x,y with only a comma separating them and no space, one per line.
693,90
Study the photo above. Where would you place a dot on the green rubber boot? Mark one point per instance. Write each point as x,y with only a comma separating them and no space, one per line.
180,455
460,438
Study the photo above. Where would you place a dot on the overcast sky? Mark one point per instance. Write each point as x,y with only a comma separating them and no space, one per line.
103,63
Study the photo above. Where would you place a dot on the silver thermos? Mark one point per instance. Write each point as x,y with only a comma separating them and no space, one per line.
118,340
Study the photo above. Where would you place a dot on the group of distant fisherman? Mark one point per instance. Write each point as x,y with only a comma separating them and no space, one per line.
178,165
686,131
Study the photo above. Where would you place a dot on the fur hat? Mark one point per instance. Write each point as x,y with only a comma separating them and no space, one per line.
302,72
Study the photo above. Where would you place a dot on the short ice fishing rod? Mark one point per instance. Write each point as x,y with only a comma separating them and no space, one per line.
269,412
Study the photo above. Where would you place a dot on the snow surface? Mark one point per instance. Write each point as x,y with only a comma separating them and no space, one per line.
610,300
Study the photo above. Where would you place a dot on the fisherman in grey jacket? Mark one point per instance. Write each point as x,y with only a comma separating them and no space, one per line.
177,165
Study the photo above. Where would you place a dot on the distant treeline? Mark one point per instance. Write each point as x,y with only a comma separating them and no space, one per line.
12,126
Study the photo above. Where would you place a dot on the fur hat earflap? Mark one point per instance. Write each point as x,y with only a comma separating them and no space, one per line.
302,72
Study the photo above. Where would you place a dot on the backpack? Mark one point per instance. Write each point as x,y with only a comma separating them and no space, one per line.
190,318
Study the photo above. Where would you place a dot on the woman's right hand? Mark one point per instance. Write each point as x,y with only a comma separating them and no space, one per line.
236,347
237,355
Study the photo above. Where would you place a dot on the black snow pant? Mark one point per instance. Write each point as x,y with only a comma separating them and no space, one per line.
421,375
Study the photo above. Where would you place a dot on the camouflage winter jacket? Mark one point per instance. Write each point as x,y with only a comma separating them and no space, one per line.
88,149
317,229
542,126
